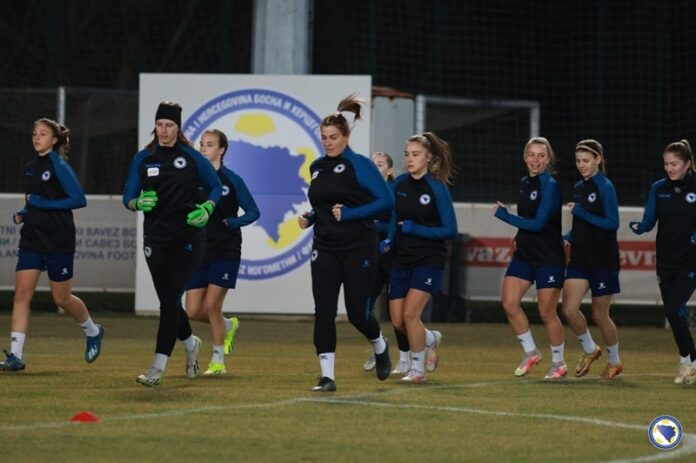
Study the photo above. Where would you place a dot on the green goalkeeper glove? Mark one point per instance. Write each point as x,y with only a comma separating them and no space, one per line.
147,201
199,217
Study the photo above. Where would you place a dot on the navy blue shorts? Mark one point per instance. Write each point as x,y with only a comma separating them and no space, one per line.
221,273
428,279
544,277
59,266
602,282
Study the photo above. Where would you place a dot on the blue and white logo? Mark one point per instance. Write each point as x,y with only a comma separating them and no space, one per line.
340,168
424,199
315,254
225,190
46,176
273,139
592,197
690,197
148,251
665,432
180,162
533,195
315,174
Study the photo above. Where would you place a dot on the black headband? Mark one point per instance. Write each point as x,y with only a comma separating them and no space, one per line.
169,112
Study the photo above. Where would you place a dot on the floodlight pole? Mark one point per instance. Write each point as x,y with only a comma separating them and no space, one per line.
282,37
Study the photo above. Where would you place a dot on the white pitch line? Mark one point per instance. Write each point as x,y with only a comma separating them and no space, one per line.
688,445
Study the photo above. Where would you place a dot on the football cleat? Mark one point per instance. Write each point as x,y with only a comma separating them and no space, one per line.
12,363
229,336
685,370
585,362
93,348
152,377
215,368
611,371
192,359
528,361
557,370
401,368
370,363
414,376
324,385
383,363
431,359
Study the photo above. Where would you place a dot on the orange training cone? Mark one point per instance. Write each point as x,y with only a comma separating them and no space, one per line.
85,417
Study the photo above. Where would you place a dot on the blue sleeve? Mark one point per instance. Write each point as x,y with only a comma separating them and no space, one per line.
445,209
383,227
650,214
371,180
245,201
550,201
66,177
610,221
207,175
132,189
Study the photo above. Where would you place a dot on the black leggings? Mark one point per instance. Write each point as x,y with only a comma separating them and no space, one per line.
676,289
171,265
355,270
382,280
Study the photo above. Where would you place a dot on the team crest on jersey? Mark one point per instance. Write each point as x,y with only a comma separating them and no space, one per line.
340,168
148,251
180,162
225,190
533,195
691,197
592,197
315,254
46,176
424,199
275,137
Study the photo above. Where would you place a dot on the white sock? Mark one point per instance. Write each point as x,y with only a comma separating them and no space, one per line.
429,337
378,345
190,343
682,360
404,356
613,354
326,362
587,343
527,341
228,324
557,353
418,361
17,343
89,327
219,354
160,361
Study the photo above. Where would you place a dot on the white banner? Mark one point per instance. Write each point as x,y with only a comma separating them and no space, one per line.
272,123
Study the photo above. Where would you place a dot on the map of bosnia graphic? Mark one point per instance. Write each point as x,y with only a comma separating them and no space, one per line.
273,139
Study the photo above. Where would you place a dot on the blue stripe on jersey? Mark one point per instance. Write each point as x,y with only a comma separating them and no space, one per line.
68,180
610,204
383,227
244,200
650,214
391,227
370,180
206,174
445,209
132,189
550,201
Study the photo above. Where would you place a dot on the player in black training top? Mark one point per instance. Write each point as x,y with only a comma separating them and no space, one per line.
538,256
672,205
48,240
594,258
423,219
207,288
163,182
385,165
347,193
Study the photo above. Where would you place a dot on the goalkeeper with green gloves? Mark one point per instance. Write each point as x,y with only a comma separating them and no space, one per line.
164,181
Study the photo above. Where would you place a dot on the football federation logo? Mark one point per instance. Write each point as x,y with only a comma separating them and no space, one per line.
274,138
533,195
424,199
180,162
315,254
46,176
592,197
690,197
340,168
665,432
148,251
225,190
